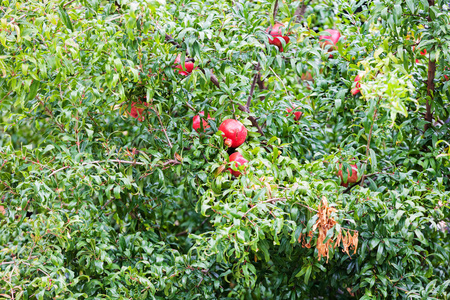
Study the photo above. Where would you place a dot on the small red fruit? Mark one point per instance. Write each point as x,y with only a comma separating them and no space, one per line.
297,114
137,110
234,132
356,90
352,176
178,59
423,53
189,66
236,159
196,122
275,33
331,39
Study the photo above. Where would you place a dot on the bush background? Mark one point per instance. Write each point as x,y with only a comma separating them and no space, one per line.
99,205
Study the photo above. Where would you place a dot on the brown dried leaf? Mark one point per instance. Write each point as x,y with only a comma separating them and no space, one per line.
300,238
178,157
355,241
220,170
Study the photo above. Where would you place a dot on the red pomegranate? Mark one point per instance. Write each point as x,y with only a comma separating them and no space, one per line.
356,89
178,59
189,66
234,133
275,34
352,176
196,121
422,53
297,114
236,159
137,110
331,39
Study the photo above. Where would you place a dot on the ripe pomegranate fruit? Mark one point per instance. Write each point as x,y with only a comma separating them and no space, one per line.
234,132
236,159
422,53
352,176
189,66
297,114
137,110
330,40
307,76
356,89
275,34
196,122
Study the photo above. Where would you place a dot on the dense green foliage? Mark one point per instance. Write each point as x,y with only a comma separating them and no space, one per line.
98,204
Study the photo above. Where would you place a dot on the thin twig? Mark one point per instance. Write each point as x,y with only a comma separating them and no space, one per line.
275,10
68,3
370,137
240,107
252,88
301,9
77,134
163,129
172,161
171,40
5,184
276,75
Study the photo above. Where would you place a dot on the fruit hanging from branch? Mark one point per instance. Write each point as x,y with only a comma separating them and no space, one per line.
331,39
137,110
352,175
297,114
196,121
234,132
236,159
275,34
421,53
357,87
188,66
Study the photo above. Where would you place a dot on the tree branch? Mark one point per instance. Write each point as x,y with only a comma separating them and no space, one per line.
370,137
240,107
430,91
171,40
68,3
171,161
275,10
300,11
252,88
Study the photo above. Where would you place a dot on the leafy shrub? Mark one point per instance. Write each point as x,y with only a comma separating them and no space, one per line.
98,202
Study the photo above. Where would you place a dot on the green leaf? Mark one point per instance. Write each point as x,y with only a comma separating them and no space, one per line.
65,18
33,90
